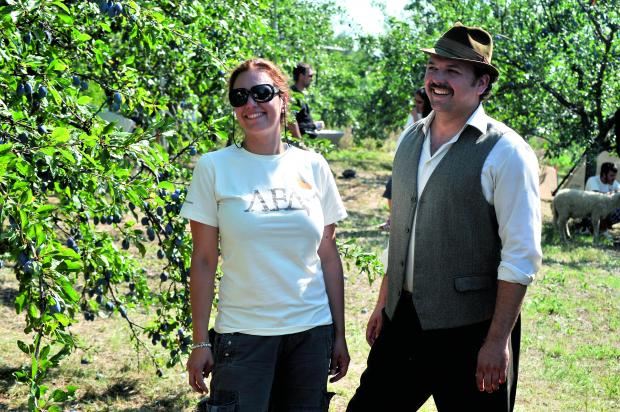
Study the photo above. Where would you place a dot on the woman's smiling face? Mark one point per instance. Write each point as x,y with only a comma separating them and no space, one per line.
258,118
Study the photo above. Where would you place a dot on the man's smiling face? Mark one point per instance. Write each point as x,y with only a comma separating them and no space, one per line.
452,86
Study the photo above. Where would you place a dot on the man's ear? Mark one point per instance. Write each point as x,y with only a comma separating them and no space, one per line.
483,83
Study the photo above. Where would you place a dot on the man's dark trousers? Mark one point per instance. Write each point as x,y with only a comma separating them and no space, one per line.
407,365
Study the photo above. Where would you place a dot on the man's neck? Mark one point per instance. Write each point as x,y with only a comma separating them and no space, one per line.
445,126
299,86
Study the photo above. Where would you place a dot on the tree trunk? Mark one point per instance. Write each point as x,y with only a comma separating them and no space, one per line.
590,165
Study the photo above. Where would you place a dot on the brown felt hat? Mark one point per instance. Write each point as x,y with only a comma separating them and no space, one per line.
470,44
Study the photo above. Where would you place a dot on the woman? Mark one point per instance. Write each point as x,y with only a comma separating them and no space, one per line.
279,329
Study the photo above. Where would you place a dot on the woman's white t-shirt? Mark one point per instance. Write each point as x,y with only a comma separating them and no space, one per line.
270,211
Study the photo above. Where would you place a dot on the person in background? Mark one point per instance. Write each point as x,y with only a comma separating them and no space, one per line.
270,209
605,183
464,245
304,125
421,108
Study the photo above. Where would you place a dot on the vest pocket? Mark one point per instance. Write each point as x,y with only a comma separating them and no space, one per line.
475,282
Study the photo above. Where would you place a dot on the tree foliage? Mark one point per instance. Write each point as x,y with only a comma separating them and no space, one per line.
559,67
78,193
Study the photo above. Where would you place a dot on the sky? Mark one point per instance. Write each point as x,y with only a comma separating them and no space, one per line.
367,16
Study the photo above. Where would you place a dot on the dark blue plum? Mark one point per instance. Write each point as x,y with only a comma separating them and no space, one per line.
150,232
42,92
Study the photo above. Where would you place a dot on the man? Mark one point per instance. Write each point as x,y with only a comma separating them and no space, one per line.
302,75
464,244
606,183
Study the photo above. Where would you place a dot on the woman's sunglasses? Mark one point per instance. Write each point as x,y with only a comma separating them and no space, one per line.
261,93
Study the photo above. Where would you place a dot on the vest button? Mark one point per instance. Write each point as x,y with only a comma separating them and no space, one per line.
402,263
407,230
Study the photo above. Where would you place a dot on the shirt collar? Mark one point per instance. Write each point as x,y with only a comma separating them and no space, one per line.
478,119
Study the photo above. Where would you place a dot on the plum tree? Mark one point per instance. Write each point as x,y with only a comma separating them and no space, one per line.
65,171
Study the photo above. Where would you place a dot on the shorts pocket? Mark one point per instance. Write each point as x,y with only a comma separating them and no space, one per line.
225,347
222,401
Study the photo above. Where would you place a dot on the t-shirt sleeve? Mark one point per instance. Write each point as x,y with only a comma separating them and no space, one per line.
333,208
201,203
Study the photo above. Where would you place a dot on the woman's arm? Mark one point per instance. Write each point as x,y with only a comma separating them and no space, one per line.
334,284
202,287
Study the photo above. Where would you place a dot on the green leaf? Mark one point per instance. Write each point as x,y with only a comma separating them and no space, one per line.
60,135
84,100
70,292
63,319
5,148
20,299
55,95
71,389
158,17
62,6
66,19
81,37
164,184
23,347
56,65
67,155
59,396
34,367
33,311
44,352
26,197
45,210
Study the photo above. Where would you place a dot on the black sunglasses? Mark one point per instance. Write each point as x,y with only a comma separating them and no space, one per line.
261,93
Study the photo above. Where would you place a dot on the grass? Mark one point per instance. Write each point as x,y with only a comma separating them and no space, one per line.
571,322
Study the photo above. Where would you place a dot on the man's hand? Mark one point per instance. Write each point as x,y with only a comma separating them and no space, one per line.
340,359
375,323
199,365
492,366
319,124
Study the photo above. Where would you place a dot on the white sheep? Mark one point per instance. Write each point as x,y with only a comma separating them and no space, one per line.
575,203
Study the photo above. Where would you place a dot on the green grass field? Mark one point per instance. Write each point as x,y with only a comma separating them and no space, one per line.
571,325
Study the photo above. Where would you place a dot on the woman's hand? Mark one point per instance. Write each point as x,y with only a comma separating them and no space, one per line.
199,366
340,359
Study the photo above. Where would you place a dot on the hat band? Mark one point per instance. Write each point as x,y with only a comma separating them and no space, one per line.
459,50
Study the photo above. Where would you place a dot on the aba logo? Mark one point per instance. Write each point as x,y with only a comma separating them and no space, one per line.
280,198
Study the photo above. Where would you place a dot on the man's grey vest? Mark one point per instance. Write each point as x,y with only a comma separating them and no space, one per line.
457,246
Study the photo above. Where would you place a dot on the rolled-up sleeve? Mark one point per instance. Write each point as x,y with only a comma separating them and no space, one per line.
512,174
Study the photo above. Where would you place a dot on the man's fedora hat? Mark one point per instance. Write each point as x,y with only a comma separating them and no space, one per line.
470,44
